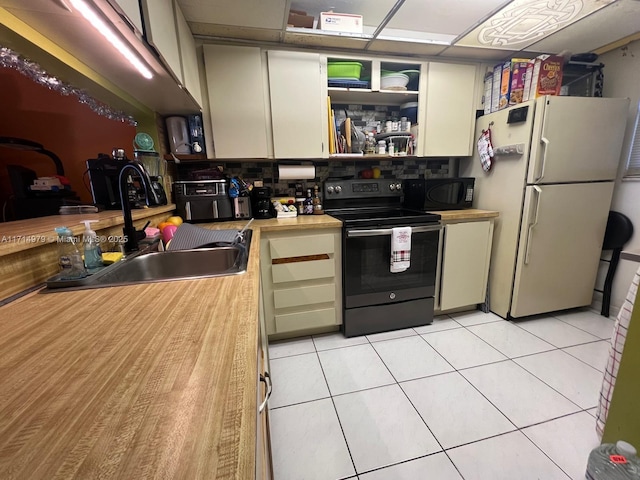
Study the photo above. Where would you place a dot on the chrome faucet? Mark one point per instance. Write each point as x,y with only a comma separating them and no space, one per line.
132,235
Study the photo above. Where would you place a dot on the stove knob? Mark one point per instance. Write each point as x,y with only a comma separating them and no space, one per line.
398,186
330,189
338,188
392,186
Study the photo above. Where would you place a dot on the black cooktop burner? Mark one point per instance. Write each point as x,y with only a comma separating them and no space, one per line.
383,217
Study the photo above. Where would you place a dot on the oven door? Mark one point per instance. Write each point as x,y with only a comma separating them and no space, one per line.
367,279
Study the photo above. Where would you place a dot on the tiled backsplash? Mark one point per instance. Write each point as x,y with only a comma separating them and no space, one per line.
268,171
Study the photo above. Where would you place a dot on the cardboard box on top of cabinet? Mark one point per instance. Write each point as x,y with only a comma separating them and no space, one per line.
543,77
300,19
341,22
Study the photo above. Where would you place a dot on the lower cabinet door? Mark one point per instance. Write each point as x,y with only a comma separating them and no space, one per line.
291,322
465,264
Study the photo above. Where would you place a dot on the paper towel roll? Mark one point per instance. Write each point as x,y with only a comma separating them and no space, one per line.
296,172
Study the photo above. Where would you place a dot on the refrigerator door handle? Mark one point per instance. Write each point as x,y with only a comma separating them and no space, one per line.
538,191
545,142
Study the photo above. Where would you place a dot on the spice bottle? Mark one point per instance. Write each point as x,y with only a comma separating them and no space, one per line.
308,203
317,203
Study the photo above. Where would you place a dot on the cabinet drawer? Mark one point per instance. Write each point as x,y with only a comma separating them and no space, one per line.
294,272
304,320
301,246
295,297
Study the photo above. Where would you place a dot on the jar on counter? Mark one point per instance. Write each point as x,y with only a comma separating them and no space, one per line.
382,147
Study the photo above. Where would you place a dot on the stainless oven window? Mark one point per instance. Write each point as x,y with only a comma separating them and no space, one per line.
367,275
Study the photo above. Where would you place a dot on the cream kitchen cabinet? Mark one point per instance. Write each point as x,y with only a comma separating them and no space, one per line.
301,280
298,93
160,31
448,120
464,267
264,466
237,99
188,58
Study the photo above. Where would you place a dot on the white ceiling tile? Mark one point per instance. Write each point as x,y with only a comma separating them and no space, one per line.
451,17
601,28
524,22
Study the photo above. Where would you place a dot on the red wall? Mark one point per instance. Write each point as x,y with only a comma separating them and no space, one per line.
61,124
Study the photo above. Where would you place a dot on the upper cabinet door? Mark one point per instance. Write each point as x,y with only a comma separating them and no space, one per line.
190,73
449,115
160,31
236,89
131,9
298,92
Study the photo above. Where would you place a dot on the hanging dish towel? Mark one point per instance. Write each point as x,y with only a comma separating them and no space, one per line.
616,348
400,249
485,149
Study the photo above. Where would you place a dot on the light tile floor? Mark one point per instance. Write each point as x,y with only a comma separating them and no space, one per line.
471,396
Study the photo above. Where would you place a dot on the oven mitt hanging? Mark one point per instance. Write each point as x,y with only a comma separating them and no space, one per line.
485,149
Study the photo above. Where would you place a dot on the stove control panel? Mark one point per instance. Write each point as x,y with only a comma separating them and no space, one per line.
362,188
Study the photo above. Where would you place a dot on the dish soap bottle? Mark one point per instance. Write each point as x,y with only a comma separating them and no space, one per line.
69,258
92,251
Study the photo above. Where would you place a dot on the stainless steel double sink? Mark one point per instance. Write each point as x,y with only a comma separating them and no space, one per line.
148,266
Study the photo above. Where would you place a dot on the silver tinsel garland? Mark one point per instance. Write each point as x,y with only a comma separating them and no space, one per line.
11,59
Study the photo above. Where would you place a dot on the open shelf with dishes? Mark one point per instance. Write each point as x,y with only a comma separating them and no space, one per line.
374,96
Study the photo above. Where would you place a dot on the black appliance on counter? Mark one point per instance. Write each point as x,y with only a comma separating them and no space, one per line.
203,200
27,201
438,193
261,202
374,299
104,172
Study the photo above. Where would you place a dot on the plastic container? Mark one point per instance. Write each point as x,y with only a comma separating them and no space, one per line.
91,244
395,81
69,257
410,110
613,462
349,70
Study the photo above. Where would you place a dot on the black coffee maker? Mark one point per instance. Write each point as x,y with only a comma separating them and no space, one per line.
261,202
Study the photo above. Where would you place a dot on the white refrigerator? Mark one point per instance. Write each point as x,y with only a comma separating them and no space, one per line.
552,178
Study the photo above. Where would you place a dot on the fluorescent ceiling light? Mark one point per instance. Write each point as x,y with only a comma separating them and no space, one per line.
96,22
525,22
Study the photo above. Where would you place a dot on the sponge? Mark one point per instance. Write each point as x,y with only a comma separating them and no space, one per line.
111,257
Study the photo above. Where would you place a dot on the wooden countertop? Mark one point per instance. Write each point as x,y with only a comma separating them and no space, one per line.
147,381
33,232
466,214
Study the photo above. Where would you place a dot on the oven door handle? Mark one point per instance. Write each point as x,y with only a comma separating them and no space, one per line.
388,231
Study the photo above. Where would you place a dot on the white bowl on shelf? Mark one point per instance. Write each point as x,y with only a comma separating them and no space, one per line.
394,81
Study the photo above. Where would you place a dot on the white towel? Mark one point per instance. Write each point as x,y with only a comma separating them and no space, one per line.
400,249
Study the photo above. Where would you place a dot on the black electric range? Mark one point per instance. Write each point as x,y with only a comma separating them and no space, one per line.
377,297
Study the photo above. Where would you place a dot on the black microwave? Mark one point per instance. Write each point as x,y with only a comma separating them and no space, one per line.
438,193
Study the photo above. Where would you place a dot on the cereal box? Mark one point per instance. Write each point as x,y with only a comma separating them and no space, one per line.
495,87
518,73
505,85
488,85
546,78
